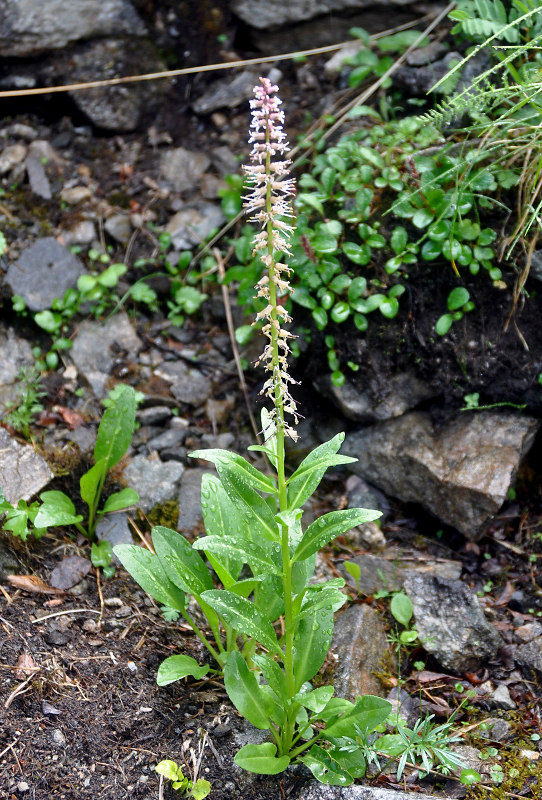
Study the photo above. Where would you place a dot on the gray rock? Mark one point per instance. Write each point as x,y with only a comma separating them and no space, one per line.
37,177
367,535
114,107
450,623
419,80
224,160
95,346
167,440
182,168
535,270
359,644
187,385
500,698
119,227
114,528
83,232
334,65
154,415
28,27
226,93
190,516
22,471
461,473
524,633
496,729
400,394
389,574
10,156
194,224
529,655
361,494
317,791
8,561
262,14
58,738
14,354
43,272
154,480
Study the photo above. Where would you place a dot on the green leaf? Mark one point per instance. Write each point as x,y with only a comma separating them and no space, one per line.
119,500
368,712
101,554
325,598
56,509
146,569
358,253
257,556
401,608
324,243
357,288
90,482
176,667
260,758
243,615
312,641
310,472
340,312
169,769
315,700
431,250
319,315
328,527
439,231
116,428
389,308
221,518
443,324
272,673
457,298
183,565
245,692
328,770
398,239
469,777
48,321
200,789
422,218
258,517
239,466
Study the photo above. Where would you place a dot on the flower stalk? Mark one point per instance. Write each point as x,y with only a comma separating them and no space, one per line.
268,202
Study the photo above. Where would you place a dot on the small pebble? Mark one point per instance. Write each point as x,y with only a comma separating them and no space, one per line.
22,786
131,666
58,738
113,602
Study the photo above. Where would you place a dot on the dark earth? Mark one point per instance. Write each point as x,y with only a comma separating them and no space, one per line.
81,713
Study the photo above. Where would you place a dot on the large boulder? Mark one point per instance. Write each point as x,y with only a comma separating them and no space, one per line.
461,472
28,27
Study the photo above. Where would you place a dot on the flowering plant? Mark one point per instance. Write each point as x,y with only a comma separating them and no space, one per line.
253,523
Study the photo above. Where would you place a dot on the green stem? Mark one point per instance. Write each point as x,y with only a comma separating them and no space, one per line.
201,636
288,656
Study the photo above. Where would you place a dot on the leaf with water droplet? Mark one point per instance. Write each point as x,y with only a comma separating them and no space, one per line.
243,468
310,472
243,615
328,527
146,569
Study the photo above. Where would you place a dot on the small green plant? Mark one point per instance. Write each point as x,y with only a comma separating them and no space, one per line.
198,789
425,745
114,436
27,406
19,519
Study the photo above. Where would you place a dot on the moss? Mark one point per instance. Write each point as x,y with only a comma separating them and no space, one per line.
166,514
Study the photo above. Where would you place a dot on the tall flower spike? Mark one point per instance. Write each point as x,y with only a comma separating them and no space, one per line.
269,206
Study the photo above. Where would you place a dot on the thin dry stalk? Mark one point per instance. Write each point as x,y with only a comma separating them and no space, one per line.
235,349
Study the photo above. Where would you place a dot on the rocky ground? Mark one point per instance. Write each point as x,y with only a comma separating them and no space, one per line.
78,654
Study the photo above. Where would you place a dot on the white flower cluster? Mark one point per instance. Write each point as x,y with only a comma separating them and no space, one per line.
269,205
